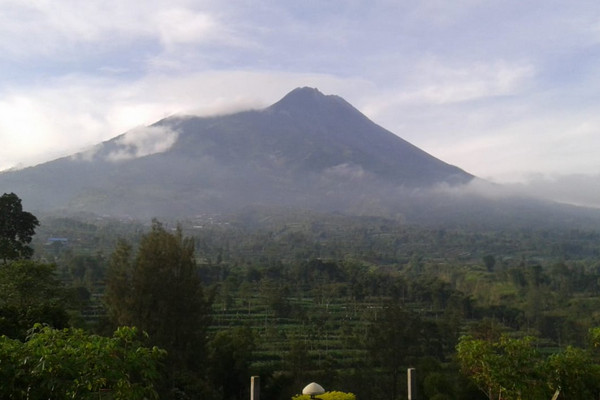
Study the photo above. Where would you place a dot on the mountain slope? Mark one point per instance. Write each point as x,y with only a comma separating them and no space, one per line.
308,150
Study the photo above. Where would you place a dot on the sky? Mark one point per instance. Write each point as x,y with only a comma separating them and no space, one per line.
508,90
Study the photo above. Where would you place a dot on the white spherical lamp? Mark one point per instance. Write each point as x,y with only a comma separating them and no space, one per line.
313,389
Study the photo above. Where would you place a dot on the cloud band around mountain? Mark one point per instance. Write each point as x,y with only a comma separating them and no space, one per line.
143,141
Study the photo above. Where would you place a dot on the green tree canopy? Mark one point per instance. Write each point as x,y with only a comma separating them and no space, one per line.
29,294
510,368
229,361
16,228
72,364
397,337
159,291
505,369
574,372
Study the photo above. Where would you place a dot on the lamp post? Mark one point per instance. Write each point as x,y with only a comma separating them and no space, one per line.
313,389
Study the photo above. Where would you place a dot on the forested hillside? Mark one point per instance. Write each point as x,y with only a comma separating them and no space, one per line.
351,302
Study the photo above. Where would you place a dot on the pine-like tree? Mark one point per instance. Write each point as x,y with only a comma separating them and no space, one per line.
160,292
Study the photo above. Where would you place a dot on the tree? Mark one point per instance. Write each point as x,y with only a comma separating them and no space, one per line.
298,361
229,361
117,294
160,292
504,369
489,261
29,294
16,228
508,368
72,364
395,338
574,373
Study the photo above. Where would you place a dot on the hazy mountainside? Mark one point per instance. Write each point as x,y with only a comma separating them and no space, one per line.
308,150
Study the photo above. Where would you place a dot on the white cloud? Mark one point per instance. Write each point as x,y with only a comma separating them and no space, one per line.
87,155
29,29
558,143
32,28
143,141
442,13
433,83
181,25
345,171
577,189
37,127
69,114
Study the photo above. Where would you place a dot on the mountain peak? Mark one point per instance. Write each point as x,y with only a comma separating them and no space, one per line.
301,97
310,100
305,92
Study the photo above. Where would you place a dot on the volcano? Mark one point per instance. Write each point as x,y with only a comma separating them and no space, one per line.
308,150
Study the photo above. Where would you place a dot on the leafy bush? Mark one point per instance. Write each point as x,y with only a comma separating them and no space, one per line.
72,363
333,395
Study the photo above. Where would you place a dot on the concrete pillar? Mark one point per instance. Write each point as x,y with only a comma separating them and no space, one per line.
412,383
255,388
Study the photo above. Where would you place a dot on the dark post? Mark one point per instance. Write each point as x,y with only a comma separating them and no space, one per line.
255,388
412,384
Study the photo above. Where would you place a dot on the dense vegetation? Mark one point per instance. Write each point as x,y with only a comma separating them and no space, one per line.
348,302
72,363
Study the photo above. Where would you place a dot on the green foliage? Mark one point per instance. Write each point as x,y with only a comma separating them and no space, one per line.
16,228
396,339
333,395
159,291
71,363
229,361
511,368
489,261
118,294
575,373
594,335
312,289
507,369
298,361
30,293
